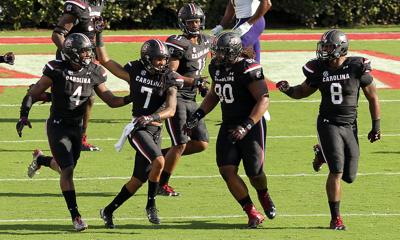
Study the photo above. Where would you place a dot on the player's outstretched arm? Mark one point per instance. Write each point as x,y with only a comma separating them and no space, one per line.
112,66
33,95
108,97
297,92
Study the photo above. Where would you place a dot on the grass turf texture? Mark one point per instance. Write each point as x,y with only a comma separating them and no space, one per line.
206,210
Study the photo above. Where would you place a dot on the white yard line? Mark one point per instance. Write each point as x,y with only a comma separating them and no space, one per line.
97,219
294,175
166,138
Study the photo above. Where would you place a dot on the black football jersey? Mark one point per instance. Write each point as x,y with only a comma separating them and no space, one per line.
231,86
71,89
84,14
148,92
192,58
340,87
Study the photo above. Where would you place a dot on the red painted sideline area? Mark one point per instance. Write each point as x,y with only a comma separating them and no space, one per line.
264,37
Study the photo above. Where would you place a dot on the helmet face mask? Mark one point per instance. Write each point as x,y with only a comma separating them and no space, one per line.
226,49
155,55
188,16
333,44
78,49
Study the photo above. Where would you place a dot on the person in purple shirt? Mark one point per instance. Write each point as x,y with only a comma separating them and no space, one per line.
250,21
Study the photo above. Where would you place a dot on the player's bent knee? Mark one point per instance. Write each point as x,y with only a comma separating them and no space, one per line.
350,178
158,163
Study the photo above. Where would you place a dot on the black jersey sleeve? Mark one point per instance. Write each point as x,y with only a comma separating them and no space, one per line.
75,8
310,72
50,69
177,46
253,71
101,75
365,78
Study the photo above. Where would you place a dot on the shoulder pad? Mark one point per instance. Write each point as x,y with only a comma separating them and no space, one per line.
99,70
250,65
366,65
205,39
173,79
53,65
310,68
178,42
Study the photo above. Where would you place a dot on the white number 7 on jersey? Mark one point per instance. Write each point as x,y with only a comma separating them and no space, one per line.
149,91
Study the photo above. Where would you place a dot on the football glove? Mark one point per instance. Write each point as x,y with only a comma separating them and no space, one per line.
242,29
375,133
143,121
99,24
22,122
201,84
241,130
283,86
193,121
9,58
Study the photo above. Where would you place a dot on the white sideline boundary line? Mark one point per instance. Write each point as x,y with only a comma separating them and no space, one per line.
193,177
97,219
272,101
166,138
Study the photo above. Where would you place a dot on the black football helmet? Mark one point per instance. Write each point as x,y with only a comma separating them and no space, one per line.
226,48
74,45
333,44
151,49
191,12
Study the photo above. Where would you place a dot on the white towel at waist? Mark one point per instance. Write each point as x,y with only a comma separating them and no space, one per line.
127,130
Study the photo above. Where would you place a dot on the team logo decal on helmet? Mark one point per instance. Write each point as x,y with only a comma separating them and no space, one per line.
191,12
333,44
227,48
76,44
152,49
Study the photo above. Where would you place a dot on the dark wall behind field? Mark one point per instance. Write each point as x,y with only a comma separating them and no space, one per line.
15,14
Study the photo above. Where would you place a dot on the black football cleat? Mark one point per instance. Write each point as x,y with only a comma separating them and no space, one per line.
319,159
268,205
107,218
152,215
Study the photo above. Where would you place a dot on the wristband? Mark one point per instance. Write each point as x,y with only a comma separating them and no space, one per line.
376,125
199,114
25,106
290,91
127,99
248,123
2,59
156,117
99,40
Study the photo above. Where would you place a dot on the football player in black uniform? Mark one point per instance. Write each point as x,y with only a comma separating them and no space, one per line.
80,16
153,89
239,85
188,57
8,58
72,82
339,79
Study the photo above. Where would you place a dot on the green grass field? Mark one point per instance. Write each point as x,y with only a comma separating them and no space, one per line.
35,209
